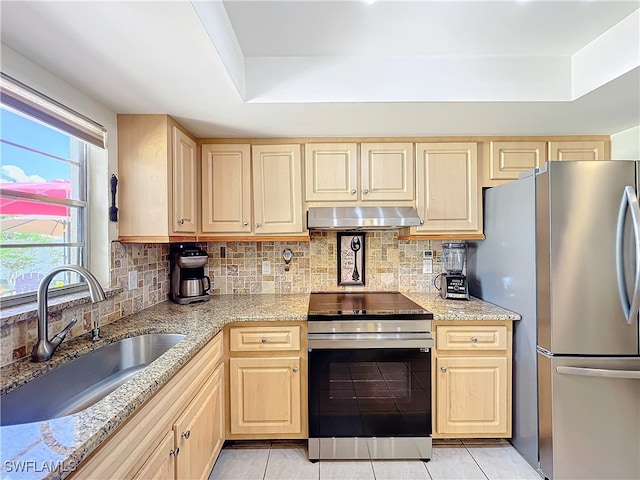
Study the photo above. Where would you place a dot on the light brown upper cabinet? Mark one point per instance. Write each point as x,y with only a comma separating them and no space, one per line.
587,150
251,191
509,159
447,194
384,172
158,188
277,189
226,189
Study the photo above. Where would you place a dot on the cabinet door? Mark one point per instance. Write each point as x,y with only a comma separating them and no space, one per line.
226,188
265,395
160,465
199,432
277,189
447,187
594,150
387,171
509,159
472,396
184,184
331,172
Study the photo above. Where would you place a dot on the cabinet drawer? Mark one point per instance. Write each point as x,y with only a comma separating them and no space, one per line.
264,339
490,337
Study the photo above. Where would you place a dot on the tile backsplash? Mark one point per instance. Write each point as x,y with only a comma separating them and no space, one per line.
236,267
391,264
151,261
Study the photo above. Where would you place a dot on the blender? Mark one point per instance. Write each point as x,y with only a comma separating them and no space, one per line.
453,283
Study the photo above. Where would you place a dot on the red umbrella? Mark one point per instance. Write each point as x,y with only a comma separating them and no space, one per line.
55,189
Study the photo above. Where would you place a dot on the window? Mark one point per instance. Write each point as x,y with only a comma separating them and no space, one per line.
43,194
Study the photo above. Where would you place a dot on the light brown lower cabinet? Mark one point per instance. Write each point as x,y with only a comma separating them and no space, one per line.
161,464
199,432
190,449
471,379
267,381
176,434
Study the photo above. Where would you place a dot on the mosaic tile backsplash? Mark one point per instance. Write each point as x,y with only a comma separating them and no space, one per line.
391,264
151,261
237,267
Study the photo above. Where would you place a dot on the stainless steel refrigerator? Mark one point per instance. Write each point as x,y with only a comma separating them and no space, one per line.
562,248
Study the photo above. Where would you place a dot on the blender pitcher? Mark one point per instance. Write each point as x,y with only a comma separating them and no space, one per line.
454,256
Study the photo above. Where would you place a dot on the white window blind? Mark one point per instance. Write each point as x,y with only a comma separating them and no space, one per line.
36,105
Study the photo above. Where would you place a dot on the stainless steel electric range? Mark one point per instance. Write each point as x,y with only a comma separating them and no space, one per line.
369,376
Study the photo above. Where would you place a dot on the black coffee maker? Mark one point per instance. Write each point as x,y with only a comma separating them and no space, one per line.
188,282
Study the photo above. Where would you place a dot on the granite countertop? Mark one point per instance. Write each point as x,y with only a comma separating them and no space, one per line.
473,309
52,449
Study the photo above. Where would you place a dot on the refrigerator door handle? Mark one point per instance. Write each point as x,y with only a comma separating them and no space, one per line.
599,372
630,201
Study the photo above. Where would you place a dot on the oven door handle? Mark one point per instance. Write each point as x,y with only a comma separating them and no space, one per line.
370,340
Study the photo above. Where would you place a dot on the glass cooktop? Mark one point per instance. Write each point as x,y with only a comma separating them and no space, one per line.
393,305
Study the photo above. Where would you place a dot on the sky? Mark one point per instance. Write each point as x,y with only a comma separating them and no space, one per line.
23,166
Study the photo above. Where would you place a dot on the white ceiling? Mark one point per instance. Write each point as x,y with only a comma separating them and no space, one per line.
346,68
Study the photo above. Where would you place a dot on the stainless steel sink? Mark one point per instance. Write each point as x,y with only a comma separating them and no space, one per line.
80,383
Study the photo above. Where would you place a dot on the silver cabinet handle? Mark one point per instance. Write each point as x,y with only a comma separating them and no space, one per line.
295,369
443,370
599,372
258,225
353,191
474,339
181,221
186,434
245,223
365,191
264,339
631,306
175,452
421,222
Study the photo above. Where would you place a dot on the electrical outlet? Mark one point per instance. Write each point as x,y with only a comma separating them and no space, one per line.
427,266
266,267
133,280
427,254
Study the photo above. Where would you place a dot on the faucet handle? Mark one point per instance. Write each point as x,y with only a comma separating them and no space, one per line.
95,332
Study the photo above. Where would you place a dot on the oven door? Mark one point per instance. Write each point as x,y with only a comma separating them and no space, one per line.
369,403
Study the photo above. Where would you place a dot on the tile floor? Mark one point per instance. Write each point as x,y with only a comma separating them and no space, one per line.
451,460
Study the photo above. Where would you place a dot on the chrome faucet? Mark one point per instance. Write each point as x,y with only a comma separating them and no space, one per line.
43,349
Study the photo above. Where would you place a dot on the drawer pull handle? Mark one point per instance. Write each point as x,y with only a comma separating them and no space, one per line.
245,223
295,369
474,339
264,339
443,370
365,191
181,221
353,191
186,434
175,452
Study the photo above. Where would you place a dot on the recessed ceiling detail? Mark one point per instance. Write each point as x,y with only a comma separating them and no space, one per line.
339,68
319,52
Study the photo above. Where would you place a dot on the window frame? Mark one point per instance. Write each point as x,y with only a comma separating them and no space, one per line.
80,154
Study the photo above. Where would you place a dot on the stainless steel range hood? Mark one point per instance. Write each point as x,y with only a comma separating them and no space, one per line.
361,218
